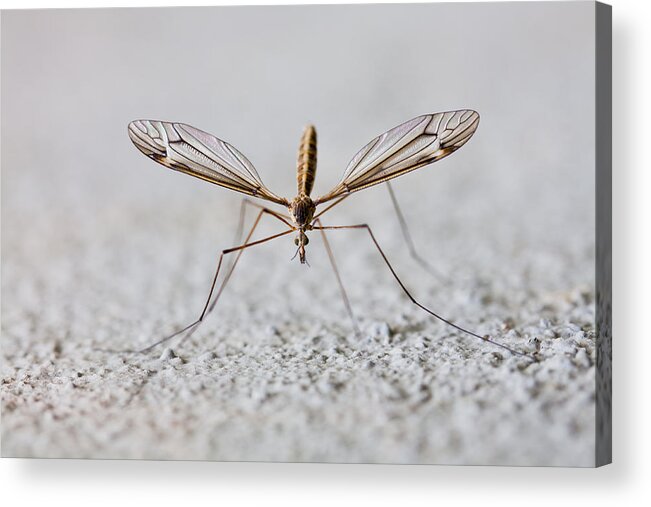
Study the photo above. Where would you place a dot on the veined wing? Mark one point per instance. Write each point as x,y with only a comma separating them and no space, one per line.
416,143
194,152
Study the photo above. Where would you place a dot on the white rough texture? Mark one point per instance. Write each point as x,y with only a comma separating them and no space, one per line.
101,248
276,373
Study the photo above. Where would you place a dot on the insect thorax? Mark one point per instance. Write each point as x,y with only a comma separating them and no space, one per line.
302,210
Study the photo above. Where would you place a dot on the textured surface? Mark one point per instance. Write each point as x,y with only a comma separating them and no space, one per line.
102,248
275,373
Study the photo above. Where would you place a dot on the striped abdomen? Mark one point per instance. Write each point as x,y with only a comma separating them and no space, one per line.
306,169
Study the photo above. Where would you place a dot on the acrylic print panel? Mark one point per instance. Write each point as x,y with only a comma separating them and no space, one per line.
107,247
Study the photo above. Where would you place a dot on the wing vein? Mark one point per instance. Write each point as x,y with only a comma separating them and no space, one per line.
405,148
189,150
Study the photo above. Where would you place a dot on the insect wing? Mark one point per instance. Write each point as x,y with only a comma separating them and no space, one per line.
416,143
199,154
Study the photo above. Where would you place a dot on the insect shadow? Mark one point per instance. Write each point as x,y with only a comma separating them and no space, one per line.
405,148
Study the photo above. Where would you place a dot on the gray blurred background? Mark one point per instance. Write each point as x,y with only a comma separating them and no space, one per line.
102,247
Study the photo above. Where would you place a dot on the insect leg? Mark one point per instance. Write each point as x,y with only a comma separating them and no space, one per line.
410,242
248,202
413,299
327,208
206,309
238,236
344,295
240,250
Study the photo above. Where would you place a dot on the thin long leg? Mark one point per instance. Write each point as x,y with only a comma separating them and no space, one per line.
283,218
413,299
329,207
248,202
240,224
410,242
344,295
413,251
231,268
206,309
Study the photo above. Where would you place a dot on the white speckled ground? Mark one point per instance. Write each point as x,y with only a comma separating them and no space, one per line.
103,249
276,373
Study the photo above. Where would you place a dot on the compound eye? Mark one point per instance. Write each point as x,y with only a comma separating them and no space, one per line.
296,241
306,240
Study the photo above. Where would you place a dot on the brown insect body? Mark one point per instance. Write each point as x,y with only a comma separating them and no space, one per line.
416,143
306,166
302,207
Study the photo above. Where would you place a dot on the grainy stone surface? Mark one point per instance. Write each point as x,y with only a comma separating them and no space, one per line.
276,372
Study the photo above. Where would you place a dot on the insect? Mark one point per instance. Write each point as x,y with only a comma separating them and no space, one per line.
416,143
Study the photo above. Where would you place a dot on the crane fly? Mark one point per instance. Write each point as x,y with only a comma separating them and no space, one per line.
414,144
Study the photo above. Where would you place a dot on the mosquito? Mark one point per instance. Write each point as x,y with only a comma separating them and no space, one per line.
416,143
